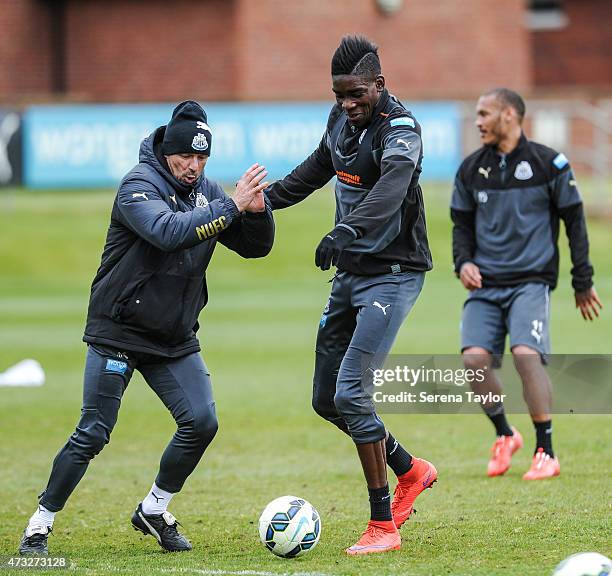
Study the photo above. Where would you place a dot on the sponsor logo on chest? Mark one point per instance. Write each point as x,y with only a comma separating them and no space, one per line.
348,178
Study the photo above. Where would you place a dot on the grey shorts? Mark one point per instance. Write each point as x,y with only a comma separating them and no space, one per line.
522,312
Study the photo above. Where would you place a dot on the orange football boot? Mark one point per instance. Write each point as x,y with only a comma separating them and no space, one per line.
542,466
379,536
502,451
422,475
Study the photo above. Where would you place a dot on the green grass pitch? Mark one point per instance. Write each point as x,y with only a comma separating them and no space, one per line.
258,336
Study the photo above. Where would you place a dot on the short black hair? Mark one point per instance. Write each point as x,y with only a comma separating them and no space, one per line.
509,98
356,56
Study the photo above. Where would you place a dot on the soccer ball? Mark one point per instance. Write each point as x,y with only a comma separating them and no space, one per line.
584,564
289,526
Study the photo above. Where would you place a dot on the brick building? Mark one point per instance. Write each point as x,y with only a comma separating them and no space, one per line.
153,50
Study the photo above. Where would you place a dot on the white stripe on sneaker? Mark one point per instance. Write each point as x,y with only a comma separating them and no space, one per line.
153,531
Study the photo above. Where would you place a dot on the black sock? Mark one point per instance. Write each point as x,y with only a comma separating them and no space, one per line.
399,460
497,415
544,437
380,503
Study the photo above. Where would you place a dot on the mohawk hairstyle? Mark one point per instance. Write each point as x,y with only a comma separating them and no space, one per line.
509,98
356,56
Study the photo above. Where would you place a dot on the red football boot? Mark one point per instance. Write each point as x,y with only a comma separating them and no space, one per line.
379,536
502,451
542,466
422,475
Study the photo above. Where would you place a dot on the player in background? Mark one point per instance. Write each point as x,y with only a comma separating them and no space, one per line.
507,201
379,246
143,312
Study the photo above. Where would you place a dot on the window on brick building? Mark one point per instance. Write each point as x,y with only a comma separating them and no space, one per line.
546,15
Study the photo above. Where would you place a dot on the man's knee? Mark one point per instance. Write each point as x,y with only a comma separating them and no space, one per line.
323,404
322,400
96,443
526,359
89,440
324,385
476,358
345,402
205,424
365,428
323,408
358,413
522,350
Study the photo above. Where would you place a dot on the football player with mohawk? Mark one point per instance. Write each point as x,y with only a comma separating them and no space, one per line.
379,246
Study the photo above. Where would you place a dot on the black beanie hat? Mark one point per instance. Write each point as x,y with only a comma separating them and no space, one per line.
187,132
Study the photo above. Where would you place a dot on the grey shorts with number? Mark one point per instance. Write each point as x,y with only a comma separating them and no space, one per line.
522,312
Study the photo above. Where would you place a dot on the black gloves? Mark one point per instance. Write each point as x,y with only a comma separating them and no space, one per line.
329,249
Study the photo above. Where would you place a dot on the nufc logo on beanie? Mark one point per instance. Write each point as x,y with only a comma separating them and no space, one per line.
187,132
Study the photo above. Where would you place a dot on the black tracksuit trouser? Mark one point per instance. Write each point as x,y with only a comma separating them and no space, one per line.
182,384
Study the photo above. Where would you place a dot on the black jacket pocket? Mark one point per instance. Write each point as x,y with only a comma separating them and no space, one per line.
165,306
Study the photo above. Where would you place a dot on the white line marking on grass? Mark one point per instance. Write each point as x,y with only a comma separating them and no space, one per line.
205,572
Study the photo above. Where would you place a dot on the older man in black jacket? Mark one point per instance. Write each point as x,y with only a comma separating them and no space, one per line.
143,313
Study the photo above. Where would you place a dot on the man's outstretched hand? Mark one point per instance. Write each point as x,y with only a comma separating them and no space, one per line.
589,303
248,196
331,246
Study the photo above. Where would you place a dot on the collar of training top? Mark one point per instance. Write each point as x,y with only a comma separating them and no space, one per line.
382,102
519,147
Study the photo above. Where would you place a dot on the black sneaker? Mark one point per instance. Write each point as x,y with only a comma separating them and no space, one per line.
34,541
163,528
